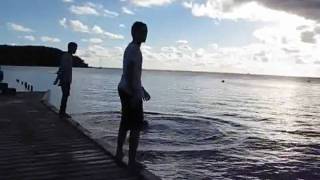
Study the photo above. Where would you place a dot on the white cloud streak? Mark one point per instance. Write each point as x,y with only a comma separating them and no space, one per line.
50,39
93,40
83,10
18,27
125,10
90,8
29,37
149,3
67,1
78,26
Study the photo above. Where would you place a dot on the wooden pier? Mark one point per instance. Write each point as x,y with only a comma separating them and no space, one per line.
36,144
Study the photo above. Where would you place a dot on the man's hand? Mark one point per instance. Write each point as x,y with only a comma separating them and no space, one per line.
145,96
55,82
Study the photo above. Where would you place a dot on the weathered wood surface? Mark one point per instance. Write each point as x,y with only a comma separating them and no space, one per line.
36,144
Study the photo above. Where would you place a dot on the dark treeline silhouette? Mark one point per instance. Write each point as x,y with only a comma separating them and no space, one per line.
34,56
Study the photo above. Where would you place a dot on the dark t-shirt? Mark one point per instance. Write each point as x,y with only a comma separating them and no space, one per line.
66,68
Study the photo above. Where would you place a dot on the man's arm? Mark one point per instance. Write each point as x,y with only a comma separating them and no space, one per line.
130,71
62,68
60,71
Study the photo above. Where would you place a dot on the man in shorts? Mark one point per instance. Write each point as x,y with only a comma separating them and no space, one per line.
132,94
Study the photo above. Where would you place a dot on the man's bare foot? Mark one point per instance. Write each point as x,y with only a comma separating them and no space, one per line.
135,166
64,115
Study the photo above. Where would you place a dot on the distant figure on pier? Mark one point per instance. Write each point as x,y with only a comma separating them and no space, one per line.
64,77
1,75
132,94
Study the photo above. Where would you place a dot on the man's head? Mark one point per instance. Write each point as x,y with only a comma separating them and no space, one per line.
139,32
72,47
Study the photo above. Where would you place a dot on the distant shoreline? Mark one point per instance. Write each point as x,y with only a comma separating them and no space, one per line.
34,56
208,72
195,72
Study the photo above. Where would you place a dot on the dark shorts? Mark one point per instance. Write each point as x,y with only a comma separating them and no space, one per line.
131,117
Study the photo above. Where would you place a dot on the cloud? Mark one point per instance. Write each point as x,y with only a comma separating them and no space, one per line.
317,29
93,40
187,4
236,10
200,52
18,27
254,9
299,61
316,62
83,10
283,29
109,13
98,30
260,56
63,22
90,8
29,37
308,9
49,39
148,3
67,1
122,26
255,58
308,37
247,9
113,36
125,10
290,50
98,55
182,42
78,26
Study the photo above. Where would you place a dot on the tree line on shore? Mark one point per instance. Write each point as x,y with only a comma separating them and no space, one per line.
34,56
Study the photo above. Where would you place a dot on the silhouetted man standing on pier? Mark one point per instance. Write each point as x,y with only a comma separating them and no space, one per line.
132,94
64,76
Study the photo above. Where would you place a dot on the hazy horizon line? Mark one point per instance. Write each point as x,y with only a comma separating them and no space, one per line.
213,72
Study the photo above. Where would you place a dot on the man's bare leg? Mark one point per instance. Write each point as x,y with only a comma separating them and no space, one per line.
122,134
133,146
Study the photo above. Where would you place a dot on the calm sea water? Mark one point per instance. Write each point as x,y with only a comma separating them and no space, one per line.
250,127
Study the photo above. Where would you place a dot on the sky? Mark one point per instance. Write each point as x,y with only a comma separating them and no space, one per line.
237,36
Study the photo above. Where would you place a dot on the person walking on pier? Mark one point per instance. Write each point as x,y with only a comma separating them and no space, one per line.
64,77
132,94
